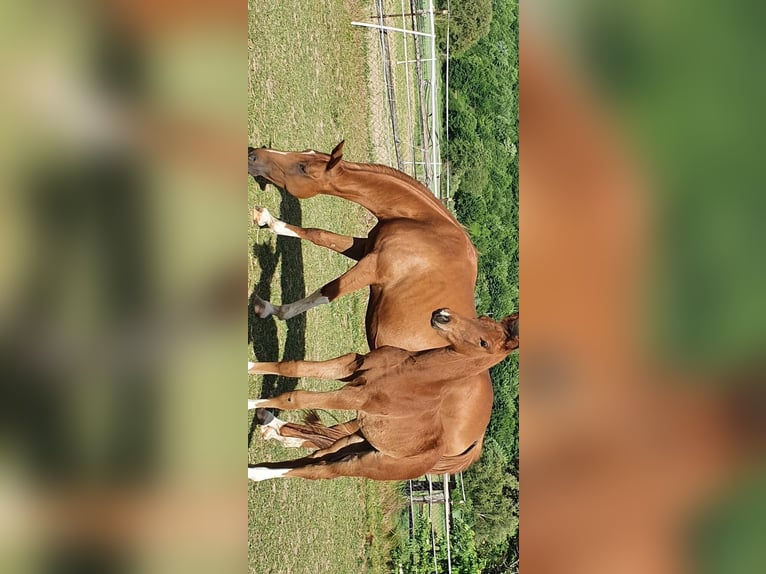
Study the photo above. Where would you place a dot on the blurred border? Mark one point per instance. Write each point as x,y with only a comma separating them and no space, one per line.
642,403
122,299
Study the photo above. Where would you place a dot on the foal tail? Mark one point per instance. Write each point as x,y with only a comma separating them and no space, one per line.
459,462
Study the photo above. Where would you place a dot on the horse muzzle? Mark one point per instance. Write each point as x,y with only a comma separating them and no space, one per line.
256,167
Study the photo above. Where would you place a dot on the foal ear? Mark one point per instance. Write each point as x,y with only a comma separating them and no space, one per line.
335,156
511,328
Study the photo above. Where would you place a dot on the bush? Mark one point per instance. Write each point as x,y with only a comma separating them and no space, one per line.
469,22
483,155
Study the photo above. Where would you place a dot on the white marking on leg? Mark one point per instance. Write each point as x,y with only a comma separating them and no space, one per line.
259,473
250,365
255,404
263,218
280,228
292,309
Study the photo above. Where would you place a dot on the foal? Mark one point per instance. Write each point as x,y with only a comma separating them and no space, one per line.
398,433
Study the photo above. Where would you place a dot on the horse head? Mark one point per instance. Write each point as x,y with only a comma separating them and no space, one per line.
483,338
303,174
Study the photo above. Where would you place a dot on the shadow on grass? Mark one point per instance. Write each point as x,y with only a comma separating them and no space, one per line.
262,333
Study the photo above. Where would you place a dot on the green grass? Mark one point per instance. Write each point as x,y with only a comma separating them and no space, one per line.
307,87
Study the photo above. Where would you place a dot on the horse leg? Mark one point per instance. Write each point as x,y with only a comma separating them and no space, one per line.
342,444
360,275
339,368
347,398
347,462
332,369
351,247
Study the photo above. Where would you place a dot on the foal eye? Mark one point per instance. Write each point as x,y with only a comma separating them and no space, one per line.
302,167
484,344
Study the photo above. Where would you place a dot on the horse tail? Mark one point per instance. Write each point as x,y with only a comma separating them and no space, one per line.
459,462
315,432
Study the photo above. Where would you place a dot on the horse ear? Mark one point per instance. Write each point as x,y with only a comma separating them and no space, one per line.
511,327
335,156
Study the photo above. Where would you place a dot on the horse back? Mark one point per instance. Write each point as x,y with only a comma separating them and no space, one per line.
421,266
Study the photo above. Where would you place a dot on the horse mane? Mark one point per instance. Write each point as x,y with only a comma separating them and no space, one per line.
403,177
460,462
386,170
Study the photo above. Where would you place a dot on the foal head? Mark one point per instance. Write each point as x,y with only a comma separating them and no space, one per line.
302,174
484,339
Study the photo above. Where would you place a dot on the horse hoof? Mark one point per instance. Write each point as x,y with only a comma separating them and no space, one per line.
263,417
262,217
263,309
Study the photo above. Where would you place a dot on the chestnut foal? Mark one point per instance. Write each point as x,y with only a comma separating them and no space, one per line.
399,430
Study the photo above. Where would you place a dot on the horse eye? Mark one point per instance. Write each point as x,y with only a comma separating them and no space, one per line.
302,167
484,343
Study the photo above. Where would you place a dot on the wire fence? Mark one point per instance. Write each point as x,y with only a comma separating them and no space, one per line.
412,74
418,109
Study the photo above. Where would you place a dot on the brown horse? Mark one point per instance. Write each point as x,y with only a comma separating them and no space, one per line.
417,258
399,430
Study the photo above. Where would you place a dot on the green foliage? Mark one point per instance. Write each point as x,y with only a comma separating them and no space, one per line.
465,555
503,426
468,22
728,538
484,101
493,491
483,156
416,556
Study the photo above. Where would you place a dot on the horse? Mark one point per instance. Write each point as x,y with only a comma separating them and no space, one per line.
416,258
399,430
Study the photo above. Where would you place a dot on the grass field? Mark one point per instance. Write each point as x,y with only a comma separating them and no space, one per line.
308,88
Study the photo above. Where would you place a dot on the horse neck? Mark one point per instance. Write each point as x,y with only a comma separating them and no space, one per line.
386,193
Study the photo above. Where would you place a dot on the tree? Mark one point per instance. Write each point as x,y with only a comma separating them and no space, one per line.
493,491
469,22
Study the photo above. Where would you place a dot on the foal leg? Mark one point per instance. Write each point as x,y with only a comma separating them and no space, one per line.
371,464
332,369
351,446
360,275
348,398
340,368
351,247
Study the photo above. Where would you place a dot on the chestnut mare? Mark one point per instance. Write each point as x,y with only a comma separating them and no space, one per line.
399,431
417,258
